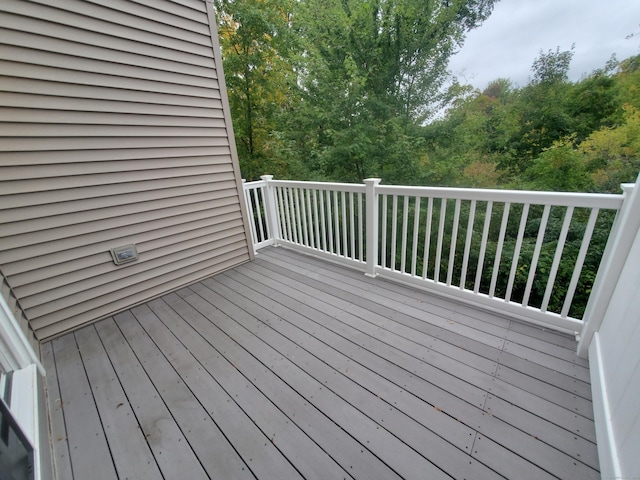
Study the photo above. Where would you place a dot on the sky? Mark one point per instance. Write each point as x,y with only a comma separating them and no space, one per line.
508,42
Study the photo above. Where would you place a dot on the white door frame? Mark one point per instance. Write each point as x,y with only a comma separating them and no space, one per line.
17,356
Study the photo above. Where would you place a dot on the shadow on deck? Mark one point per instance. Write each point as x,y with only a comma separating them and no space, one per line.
290,367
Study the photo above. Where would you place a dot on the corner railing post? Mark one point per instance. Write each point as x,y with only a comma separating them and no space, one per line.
621,238
247,202
371,202
270,210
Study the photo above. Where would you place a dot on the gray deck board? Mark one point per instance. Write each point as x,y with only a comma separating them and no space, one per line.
167,442
380,324
570,369
327,434
542,340
224,394
272,420
552,377
574,446
197,426
131,454
89,452
398,310
497,354
510,464
549,336
406,370
403,312
545,347
292,367
416,298
58,431
549,392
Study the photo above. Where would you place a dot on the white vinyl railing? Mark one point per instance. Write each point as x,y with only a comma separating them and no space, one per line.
516,252
260,229
327,218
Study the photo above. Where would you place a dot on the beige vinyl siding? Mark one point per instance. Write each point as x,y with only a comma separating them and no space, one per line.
94,269
39,268
114,129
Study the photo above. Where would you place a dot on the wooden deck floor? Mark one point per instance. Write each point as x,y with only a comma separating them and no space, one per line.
290,367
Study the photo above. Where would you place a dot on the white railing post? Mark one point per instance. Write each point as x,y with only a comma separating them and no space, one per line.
615,255
371,200
247,202
270,210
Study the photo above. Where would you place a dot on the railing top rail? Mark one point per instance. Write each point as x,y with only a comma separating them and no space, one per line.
341,187
254,184
587,200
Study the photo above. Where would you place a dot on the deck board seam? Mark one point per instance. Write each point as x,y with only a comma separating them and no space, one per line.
560,406
240,270
368,280
221,354
95,403
406,332
381,291
390,285
346,356
394,305
185,383
503,331
296,287
55,441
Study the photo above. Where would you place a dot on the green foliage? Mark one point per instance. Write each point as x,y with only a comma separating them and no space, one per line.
559,168
593,103
551,134
338,89
552,67
628,82
613,153
257,48
373,72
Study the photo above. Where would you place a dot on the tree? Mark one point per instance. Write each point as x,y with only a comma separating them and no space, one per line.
560,168
373,71
257,48
628,82
592,104
552,67
613,153
541,111
466,146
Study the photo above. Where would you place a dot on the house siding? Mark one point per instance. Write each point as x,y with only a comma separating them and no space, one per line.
114,129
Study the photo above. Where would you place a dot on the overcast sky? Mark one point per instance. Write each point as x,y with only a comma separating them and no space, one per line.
510,40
